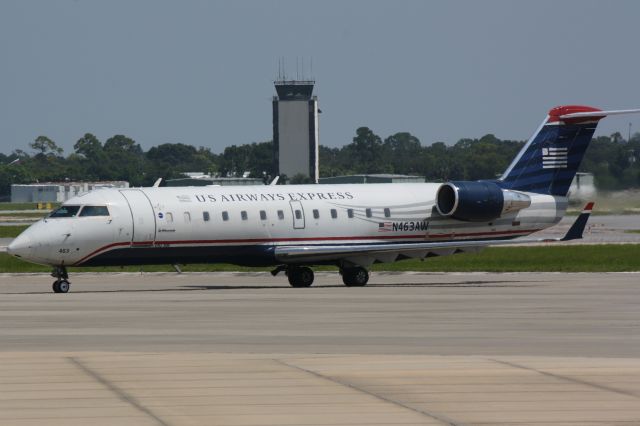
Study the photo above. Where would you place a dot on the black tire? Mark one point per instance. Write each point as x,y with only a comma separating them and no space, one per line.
61,286
355,277
64,286
300,277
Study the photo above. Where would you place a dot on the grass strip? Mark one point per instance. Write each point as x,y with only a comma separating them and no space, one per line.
11,231
23,206
575,258
36,215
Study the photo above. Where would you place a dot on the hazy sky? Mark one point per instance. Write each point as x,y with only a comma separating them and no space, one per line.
201,72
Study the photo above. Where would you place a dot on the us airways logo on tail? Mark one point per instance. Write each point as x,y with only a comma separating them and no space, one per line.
554,158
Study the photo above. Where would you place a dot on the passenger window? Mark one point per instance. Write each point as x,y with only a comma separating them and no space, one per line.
350,213
243,215
65,211
316,214
334,214
187,217
169,217
94,211
387,212
368,211
280,215
225,216
205,216
298,214
263,215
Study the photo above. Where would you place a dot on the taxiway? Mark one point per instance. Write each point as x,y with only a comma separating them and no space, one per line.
246,349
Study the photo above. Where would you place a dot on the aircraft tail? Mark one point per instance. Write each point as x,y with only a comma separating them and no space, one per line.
549,161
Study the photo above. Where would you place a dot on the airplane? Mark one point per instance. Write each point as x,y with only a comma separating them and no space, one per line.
294,227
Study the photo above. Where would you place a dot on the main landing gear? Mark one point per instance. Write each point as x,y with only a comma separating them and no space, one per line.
61,284
302,276
355,277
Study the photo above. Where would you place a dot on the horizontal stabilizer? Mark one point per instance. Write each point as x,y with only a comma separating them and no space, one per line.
599,114
576,230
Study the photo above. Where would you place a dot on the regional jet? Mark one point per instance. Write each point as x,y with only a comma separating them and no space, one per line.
292,228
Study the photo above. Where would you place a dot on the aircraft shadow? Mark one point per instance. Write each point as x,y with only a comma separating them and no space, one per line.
221,287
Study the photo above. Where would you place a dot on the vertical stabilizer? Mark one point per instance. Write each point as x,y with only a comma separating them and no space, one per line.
549,161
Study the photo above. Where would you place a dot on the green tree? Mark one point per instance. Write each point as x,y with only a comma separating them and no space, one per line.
404,152
45,146
170,160
256,158
125,160
89,160
366,153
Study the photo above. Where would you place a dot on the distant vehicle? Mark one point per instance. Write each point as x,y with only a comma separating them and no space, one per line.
295,227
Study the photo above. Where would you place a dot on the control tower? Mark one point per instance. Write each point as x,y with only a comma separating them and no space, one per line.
295,129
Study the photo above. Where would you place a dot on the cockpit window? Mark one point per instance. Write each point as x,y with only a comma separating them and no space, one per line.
94,211
65,211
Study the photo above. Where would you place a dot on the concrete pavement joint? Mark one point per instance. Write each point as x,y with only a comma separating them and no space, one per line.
124,396
438,417
567,378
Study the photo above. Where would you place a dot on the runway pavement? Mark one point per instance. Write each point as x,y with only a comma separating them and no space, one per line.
246,349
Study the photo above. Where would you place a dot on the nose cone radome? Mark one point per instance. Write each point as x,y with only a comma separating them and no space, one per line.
21,246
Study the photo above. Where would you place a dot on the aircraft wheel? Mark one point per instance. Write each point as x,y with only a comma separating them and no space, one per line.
355,277
300,276
61,286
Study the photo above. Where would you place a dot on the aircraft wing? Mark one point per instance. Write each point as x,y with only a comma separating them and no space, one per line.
366,254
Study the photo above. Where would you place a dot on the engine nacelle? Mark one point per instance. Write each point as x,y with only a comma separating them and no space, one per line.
478,201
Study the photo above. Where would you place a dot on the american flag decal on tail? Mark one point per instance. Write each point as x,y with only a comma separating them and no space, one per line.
384,226
554,158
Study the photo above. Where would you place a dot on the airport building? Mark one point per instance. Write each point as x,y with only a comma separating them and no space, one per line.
57,192
295,129
582,187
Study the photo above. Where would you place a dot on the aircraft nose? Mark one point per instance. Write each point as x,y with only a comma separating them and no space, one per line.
20,246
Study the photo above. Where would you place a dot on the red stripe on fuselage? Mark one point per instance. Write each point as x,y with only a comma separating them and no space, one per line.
108,246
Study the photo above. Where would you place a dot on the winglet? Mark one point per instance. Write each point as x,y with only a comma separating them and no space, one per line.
576,230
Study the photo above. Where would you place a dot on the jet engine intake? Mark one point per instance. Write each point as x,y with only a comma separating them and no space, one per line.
478,201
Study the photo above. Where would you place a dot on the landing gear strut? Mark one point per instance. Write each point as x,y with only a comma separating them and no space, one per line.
61,284
300,276
355,277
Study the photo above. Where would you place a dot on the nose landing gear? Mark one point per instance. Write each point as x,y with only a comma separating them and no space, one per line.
61,284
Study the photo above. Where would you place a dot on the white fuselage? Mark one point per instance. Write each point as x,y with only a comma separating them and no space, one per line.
243,224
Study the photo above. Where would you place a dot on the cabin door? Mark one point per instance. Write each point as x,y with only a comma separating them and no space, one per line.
298,214
142,216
